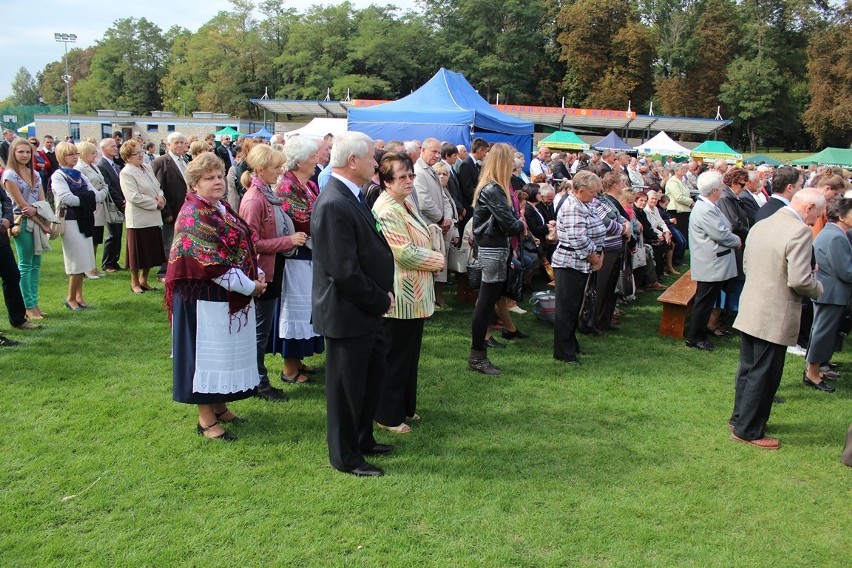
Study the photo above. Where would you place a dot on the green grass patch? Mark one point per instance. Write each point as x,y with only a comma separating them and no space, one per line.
625,461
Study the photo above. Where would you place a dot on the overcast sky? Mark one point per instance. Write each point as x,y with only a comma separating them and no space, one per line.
27,39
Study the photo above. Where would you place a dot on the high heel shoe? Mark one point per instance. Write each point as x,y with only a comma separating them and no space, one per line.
223,437
73,309
822,385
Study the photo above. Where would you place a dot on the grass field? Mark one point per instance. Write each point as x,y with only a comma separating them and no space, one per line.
625,461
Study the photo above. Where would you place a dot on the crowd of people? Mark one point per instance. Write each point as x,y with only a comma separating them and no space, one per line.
344,245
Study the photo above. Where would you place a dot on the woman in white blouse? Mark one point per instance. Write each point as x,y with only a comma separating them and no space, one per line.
142,216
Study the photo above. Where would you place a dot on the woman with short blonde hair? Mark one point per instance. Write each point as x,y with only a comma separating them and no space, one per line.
86,166
75,194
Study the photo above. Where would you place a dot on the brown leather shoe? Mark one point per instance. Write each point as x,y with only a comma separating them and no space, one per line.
656,286
28,325
767,442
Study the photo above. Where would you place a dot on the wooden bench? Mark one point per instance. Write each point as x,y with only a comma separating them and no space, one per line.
677,301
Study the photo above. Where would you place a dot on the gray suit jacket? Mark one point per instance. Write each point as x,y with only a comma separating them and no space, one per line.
711,244
431,199
777,264
834,258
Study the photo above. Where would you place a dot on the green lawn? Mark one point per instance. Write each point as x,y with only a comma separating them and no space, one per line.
625,461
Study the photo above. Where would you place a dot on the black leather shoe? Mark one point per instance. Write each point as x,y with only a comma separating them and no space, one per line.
494,344
6,342
517,334
823,386
704,345
223,437
271,394
367,470
378,450
779,399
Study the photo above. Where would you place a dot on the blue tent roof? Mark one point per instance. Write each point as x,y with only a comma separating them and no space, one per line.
262,133
613,142
445,107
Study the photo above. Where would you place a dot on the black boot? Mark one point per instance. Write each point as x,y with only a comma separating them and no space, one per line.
478,361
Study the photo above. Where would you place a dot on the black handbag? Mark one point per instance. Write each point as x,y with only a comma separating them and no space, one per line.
514,286
474,270
589,308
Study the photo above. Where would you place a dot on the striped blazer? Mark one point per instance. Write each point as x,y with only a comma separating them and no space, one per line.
414,260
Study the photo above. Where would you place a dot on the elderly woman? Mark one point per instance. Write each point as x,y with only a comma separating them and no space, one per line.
712,263
144,201
662,231
211,279
833,250
24,187
86,166
75,194
415,264
680,199
652,233
579,253
296,338
276,238
494,223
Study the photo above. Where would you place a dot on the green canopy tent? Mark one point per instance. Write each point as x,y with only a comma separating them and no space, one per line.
763,159
564,140
828,157
715,150
228,131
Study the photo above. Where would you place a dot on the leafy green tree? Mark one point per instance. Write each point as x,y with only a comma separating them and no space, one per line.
127,68
24,88
221,66
51,85
750,93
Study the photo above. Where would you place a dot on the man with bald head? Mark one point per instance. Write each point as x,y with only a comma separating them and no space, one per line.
433,201
777,266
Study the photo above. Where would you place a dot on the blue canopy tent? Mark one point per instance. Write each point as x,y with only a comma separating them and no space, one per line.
262,133
447,108
613,142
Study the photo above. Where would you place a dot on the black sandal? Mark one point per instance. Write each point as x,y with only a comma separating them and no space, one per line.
223,437
295,380
235,420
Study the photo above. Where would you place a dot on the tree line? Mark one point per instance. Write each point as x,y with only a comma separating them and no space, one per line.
781,69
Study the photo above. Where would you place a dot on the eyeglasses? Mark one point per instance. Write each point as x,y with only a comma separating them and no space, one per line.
138,154
73,154
406,176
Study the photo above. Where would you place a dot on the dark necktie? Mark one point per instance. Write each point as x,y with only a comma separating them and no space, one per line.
362,199
116,168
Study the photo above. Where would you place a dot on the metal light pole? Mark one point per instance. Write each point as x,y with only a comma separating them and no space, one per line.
66,39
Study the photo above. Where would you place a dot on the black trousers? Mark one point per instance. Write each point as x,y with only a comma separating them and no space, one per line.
683,226
354,370
570,285
264,310
489,293
112,246
11,284
706,296
758,377
607,280
398,395
806,323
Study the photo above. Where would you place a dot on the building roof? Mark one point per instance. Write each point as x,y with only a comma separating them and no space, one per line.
560,117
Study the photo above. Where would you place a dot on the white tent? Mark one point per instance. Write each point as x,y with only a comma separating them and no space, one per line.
319,127
662,145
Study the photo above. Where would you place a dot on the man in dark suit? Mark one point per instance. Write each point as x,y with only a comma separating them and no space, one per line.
469,175
450,155
169,169
323,156
787,181
558,169
353,278
607,163
225,152
109,169
8,138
